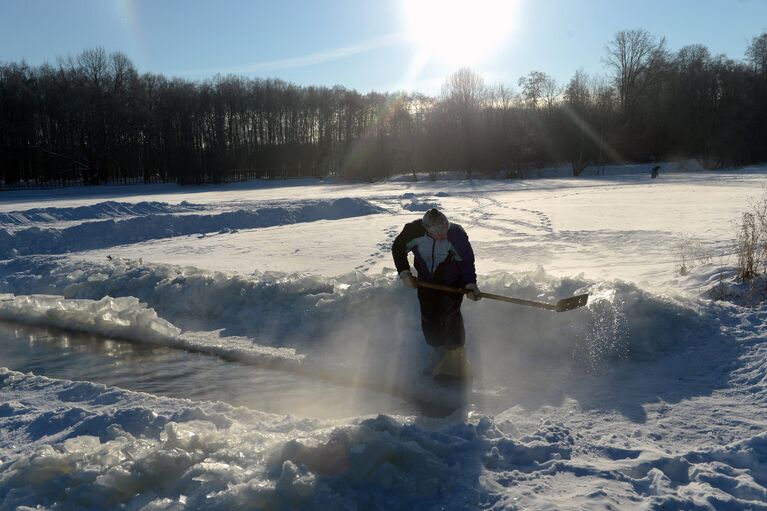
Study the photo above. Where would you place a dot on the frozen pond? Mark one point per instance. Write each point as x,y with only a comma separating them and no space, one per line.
180,374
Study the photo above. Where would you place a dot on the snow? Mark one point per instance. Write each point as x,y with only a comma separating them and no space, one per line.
121,317
90,235
650,397
108,209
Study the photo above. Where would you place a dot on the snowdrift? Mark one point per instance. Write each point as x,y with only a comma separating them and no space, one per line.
123,317
80,445
108,233
127,319
99,211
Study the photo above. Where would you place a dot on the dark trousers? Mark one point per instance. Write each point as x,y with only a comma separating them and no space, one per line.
441,319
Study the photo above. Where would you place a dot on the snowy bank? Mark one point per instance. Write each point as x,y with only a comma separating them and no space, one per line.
99,211
80,445
127,319
123,317
108,233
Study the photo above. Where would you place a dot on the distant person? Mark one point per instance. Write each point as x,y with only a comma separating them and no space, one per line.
654,171
443,255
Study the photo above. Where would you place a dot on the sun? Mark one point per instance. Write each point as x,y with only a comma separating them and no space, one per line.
459,32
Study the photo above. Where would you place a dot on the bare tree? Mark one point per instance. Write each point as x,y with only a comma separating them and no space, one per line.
463,95
635,57
538,86
532,87
577,93
464,91
94,65
501,96
756,53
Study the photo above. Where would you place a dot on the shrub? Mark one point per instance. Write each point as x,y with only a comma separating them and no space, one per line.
751,240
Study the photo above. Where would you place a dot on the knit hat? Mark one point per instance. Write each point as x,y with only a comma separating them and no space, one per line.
435,222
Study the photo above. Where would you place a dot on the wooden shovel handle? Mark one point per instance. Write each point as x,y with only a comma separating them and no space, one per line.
562,305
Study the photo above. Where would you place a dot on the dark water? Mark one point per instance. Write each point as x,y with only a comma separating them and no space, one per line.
180,374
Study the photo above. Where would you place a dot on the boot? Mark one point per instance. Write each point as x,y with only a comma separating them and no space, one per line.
436,356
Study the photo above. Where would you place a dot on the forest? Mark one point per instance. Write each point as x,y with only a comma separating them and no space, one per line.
93,119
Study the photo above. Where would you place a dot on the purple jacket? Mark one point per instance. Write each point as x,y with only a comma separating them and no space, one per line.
453,266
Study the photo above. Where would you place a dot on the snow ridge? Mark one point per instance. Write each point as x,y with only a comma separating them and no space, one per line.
123,317
99,211
108,233
95,447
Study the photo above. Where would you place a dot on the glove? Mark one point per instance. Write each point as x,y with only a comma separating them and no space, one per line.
472,292
407,279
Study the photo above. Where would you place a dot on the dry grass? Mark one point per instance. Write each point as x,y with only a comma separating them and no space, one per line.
751,240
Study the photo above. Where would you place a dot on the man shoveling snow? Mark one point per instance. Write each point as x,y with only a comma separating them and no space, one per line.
443,255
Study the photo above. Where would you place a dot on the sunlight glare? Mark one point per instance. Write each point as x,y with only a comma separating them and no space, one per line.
459,32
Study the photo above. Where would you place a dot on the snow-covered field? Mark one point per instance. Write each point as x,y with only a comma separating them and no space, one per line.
650,397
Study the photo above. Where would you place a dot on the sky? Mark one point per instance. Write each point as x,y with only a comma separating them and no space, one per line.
382,45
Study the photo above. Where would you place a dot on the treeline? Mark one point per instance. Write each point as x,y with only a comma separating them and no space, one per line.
93,119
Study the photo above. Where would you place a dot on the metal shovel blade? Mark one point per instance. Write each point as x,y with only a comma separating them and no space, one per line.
571,303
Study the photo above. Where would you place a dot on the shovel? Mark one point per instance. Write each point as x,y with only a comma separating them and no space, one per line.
565,304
